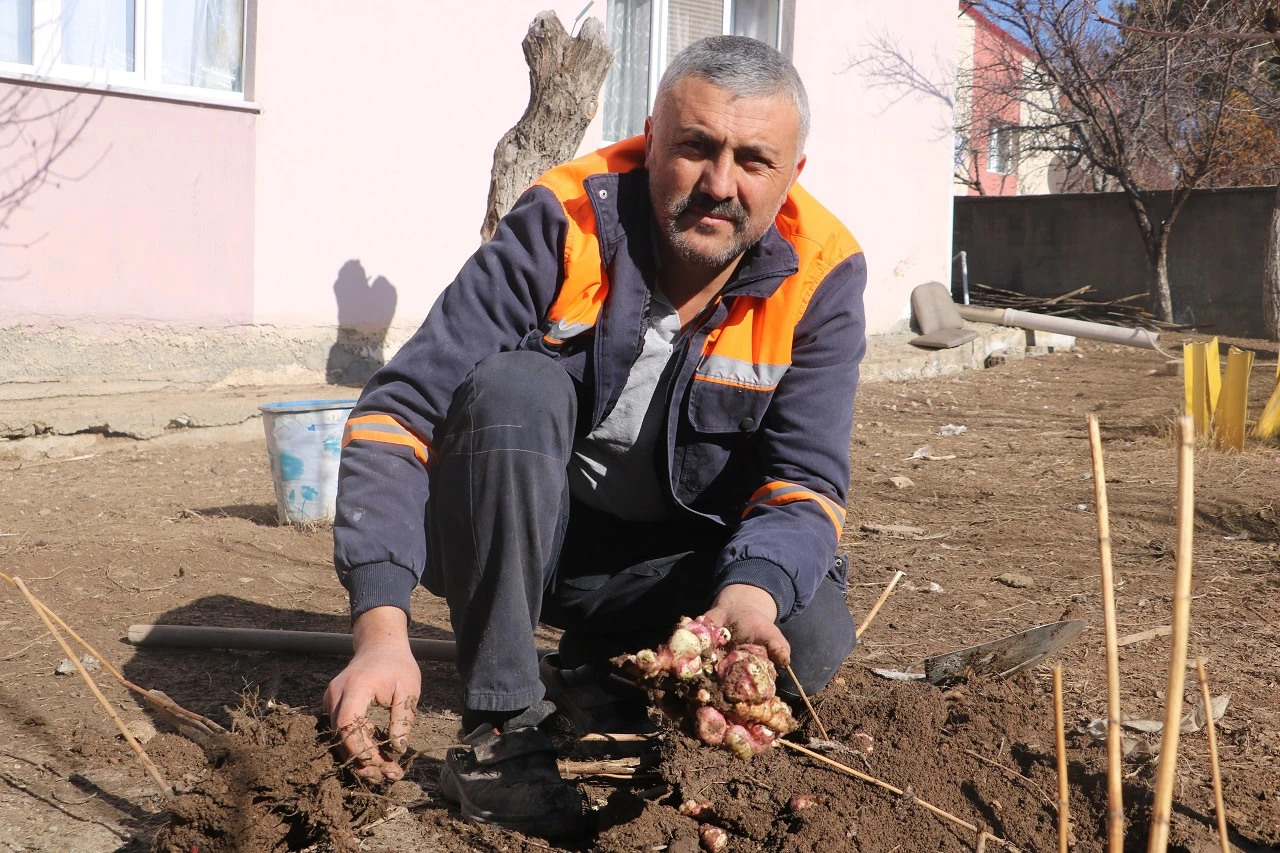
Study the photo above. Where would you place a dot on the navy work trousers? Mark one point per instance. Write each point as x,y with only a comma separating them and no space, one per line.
510,549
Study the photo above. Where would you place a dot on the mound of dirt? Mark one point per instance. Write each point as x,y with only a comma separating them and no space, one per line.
269,784
983,751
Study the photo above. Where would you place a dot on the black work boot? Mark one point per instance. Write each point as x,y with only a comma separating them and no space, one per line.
595,698
509,778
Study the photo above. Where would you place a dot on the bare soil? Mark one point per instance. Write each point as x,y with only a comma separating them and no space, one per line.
187,535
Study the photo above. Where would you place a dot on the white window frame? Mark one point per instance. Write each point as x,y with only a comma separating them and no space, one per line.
1008,166
148,59
658,38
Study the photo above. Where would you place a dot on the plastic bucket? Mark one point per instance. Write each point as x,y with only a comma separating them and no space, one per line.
304,443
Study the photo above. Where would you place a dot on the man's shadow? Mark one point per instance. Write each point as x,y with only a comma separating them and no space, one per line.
365,311
210,681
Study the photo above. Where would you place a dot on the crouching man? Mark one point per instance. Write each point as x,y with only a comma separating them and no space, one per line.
633,404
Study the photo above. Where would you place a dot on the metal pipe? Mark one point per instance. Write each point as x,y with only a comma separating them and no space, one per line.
964,275
1141,338
268,640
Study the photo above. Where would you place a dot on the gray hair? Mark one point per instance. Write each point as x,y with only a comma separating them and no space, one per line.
746,67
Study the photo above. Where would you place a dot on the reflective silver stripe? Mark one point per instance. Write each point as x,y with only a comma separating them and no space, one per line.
563,330
734,370
809,494
394,429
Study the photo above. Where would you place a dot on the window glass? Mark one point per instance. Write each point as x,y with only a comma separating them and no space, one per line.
757,19
626,89
1003,149
98,33
15,31
690,20
203,44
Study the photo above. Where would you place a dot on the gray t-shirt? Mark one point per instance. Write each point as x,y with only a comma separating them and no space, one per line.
613,468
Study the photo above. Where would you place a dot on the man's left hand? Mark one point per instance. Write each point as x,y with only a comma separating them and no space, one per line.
750,615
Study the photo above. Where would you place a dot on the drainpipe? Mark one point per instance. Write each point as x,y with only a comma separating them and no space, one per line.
1141,338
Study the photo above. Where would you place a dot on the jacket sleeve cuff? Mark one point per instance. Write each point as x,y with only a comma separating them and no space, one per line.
378,585
766,575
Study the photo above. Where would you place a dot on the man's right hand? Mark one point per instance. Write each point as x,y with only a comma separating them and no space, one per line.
382,672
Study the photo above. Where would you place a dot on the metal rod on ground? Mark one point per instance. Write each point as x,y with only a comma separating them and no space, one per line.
1115,790
945,815
1064,808
822,730
875,608
1213,755
270,640
93,688
1166,771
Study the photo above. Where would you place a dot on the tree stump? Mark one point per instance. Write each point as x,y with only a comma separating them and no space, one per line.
565,76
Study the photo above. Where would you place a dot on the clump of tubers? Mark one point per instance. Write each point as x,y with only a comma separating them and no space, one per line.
722,693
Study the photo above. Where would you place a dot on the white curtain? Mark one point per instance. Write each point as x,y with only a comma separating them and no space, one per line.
626,89
98,33
15,31
757,19
690,20
203,44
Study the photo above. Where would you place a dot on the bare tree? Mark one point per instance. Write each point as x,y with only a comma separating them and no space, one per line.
565,76
1260,146
1124,110
1146,112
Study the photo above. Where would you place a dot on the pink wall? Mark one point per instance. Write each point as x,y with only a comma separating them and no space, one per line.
881,162
376,142
148,218
992,50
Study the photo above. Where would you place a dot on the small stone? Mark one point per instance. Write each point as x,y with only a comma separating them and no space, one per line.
1016,581
902,482
142,730
68,666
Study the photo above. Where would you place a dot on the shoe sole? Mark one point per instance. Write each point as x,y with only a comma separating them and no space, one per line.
541,827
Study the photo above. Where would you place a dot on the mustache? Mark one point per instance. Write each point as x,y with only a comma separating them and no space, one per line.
705,204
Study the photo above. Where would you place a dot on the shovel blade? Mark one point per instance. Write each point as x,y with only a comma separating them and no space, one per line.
1005,656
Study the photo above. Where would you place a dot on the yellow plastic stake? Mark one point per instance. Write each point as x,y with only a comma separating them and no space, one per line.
1193,356
1235,400
1213,373
1269,423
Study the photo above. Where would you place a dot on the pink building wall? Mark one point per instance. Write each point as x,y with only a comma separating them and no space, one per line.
378,149
148,218
992,49
368,167
884,168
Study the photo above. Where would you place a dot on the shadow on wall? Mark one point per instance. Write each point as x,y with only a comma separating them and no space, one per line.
365,311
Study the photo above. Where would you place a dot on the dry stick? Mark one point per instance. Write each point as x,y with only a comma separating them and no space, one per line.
1166,771
1064,809
1213,755
93,688
822,730
945,815
875,608
1115,766
159,703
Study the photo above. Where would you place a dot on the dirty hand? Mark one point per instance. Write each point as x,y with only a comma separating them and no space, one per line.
382,672
750,615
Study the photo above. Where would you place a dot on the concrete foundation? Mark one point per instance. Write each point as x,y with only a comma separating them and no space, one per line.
206,386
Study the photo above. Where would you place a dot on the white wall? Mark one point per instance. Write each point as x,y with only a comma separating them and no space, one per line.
886,170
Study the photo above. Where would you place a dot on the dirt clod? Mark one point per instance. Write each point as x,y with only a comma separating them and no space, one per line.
271,785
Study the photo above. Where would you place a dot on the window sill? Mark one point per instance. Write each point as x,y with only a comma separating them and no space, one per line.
194,97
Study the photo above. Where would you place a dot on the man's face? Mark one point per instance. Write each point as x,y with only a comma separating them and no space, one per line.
719,168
